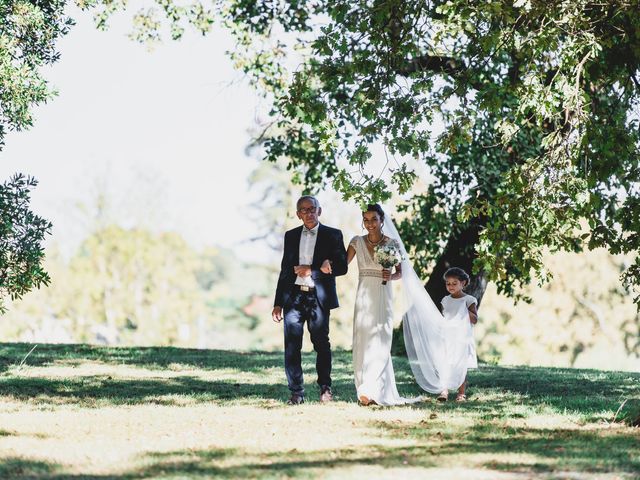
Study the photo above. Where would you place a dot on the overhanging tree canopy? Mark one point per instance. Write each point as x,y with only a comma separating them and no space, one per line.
538,99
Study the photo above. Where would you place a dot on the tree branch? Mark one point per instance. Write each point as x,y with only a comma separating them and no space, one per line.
448,65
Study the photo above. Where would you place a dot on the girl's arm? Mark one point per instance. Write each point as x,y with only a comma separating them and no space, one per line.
473,314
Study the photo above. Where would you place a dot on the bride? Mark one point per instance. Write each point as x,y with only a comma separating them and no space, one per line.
437,364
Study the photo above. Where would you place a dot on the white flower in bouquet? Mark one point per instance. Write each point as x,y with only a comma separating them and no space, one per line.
388,255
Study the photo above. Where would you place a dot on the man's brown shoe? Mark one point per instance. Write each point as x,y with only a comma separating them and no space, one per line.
326,395
295,399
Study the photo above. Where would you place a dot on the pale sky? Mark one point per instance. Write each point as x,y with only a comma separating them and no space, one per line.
176,118
163,131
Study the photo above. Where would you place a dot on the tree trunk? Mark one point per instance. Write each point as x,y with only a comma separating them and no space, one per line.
459,252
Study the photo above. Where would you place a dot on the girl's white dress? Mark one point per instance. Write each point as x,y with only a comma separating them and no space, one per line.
457,324
372,332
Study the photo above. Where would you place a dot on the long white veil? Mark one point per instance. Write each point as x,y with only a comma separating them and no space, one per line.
437,350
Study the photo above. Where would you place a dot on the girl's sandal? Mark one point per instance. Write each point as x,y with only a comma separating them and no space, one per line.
443,397
461,397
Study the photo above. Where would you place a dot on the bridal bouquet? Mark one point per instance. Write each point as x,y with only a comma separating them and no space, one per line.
388,255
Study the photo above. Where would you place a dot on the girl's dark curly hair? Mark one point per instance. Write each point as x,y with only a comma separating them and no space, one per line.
456,272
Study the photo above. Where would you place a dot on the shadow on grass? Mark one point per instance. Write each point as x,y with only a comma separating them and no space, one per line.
591,393
511,392
233,463
145,357
550,449
101,390
558,451
21,468
587,392
287,464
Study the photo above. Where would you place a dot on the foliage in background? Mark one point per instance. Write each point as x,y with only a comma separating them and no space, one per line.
538,102
539,107
21,237
29,31
137,287
585,318
138,284
28,34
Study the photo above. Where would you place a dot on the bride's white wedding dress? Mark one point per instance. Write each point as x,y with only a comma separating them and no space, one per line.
372,332
438,350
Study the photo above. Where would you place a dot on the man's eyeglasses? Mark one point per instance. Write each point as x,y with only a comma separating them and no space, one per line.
304,211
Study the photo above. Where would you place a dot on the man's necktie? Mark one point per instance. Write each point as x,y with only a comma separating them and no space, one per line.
306,231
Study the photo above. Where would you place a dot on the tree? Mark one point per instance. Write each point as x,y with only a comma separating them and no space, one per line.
537,102
524,92
136,283
140,285
21,237
28,33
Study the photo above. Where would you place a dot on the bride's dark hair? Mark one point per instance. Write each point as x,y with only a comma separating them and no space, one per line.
374,207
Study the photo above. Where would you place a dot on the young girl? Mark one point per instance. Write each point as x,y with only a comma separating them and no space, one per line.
460,307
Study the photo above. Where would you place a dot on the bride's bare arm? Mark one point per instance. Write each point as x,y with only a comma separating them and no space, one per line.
351,252
397,275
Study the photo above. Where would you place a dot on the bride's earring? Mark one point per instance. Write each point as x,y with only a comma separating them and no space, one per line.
381,230
362,225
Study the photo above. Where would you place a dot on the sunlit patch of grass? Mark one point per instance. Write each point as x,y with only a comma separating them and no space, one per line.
90,412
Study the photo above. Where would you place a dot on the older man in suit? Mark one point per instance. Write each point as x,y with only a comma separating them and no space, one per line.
314,255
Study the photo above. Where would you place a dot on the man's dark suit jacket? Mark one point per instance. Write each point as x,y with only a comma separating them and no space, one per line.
329,246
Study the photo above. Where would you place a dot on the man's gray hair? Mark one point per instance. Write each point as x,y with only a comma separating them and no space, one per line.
307,197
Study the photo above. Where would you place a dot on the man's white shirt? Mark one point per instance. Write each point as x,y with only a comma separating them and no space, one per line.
307,246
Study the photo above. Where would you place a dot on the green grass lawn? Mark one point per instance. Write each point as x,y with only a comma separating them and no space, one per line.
78,411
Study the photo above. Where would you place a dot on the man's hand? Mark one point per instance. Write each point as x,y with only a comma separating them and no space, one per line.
326,267
302,270
276,314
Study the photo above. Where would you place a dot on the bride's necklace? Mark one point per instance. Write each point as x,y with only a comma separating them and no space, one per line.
374,244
